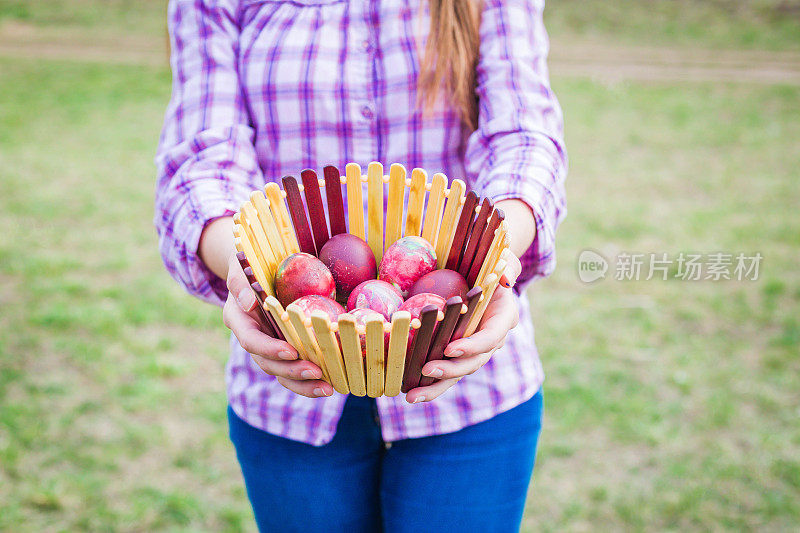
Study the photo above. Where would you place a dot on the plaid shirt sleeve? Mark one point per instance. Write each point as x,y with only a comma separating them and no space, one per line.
518,149
206,160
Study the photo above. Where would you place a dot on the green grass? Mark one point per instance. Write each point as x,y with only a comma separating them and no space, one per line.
673,405
669,405
770,24
112,406
130,16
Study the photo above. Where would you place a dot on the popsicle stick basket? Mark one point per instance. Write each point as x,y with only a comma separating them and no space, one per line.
468,234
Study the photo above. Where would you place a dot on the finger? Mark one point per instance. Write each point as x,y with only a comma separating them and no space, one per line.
297,370
456,368
500,317
431,392
512,271
239,287
311,389
246,329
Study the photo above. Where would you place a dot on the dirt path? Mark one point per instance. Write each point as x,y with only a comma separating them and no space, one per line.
597,60
610,62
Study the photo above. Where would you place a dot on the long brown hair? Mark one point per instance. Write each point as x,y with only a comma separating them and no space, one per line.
451,57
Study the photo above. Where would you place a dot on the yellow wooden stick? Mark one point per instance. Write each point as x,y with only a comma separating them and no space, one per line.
394,204
330,351
449,220
375,209
491,283
495,249
278,313
355,204
248,235
268,223
262,241
396,360
416,200
351,353
375,361
243,244
492,280
297,318
281,215
433,214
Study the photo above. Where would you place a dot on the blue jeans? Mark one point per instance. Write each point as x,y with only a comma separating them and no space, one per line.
475,479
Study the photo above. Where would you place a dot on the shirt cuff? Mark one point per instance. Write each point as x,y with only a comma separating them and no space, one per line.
539,260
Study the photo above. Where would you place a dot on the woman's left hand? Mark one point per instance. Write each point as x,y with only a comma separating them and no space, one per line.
465,356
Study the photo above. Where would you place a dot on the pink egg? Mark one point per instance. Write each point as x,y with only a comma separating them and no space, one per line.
407,260
376,295
314,302
415,304
362,316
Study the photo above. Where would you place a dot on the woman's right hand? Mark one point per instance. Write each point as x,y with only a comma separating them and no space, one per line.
275,357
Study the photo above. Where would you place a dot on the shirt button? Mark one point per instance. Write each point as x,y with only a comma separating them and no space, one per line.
366,112
365,45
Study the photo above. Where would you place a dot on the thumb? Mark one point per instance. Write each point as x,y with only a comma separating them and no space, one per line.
512,271
239,287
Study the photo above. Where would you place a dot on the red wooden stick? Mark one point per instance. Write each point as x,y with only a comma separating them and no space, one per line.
462,229
472,303
261,295
484,245
443,333
251,279
315,210
416,360
333,192
475,233
298,214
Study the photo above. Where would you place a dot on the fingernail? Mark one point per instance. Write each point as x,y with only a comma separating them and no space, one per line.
455,353
419,399
286,354
246,298
319,392
308,374
435,373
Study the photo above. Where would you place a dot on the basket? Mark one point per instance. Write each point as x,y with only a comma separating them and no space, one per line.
468,234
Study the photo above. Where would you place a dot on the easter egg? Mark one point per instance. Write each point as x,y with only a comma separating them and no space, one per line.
315,302
302,274
362,316
415,304
377,295
350,261
446,283
405,261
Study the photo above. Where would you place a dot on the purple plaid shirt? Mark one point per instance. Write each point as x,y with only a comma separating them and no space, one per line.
265,88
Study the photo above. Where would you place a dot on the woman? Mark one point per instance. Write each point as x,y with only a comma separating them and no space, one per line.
265,88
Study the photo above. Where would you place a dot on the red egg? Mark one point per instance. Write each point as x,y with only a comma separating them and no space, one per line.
407,260
315,302
350,261
376,295
446,283
362,316
302,274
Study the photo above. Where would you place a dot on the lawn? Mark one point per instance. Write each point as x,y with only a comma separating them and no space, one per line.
669,404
